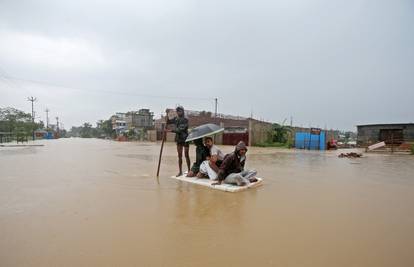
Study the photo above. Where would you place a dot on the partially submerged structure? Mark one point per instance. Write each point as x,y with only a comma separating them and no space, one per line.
236,128
394,134
141,120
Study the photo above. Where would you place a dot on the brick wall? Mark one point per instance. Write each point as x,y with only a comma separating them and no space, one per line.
259,132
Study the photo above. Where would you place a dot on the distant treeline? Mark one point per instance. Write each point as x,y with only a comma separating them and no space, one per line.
17,122
103,130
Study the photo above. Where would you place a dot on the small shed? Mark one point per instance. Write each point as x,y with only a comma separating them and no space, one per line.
233,135
394,133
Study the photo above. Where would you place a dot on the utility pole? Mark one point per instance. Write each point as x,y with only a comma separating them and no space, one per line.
32,99
216,104
47,118
57,127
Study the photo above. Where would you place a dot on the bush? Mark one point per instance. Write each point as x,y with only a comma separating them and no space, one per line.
412,149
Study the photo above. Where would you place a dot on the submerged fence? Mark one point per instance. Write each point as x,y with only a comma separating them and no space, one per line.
6,137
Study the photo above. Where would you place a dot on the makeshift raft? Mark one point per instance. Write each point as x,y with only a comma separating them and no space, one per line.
222,187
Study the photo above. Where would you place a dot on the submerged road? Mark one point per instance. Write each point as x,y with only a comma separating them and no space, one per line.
89,202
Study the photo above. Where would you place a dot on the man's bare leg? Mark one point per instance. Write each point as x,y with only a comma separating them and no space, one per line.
180,159
187,156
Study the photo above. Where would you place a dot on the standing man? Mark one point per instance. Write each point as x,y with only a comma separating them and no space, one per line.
232,170
181,133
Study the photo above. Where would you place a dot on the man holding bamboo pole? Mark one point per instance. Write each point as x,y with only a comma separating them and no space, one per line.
181,133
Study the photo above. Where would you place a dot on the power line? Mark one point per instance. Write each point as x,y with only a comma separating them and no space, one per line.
6,82
7,79
109,91
14,83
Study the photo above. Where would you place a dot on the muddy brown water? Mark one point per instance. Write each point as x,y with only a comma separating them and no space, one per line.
80,202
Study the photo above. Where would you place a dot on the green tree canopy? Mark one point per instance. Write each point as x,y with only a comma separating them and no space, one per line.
14,120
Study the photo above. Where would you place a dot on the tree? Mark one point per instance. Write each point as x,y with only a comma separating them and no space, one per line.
280,133
86,130
14,120
107,129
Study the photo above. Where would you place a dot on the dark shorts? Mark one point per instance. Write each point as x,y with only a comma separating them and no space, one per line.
183,144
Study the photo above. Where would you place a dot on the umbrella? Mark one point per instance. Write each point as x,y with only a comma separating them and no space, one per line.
203,131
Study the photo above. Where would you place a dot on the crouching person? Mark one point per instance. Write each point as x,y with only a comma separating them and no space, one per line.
232,170
210,167
202,153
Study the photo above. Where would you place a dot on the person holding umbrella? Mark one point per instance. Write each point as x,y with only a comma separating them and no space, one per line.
181,133
202,151
210,167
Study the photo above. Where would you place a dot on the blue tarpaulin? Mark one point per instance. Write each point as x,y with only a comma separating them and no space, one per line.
49,135
307,140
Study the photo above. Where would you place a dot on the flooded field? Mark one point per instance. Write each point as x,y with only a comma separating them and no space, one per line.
79,202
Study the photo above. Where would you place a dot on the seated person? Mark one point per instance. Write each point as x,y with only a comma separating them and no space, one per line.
201,155
232,171
210,167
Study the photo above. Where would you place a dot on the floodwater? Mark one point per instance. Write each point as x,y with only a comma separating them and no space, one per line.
80,202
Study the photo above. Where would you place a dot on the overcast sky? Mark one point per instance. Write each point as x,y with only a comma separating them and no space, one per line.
328,63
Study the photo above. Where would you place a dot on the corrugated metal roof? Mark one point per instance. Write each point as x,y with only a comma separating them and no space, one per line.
385,124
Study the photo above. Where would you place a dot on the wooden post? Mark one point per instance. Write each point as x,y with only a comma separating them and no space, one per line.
250,132
164,134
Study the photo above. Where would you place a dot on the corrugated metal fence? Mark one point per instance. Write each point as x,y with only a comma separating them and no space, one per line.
307,140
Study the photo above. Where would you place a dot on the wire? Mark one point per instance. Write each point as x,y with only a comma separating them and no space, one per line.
7,79
108,91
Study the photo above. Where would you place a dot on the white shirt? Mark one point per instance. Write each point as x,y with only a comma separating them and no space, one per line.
214,150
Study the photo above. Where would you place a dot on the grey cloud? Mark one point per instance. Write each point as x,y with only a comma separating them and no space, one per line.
328,63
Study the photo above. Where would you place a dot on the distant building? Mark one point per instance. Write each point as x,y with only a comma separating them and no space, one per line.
396,133
119,123
40,134
99,124
141,119
138,121
236,128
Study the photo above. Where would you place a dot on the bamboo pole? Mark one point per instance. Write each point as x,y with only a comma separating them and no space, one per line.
164,135
162,147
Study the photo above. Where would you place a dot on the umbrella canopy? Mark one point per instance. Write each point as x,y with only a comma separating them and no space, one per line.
203,131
